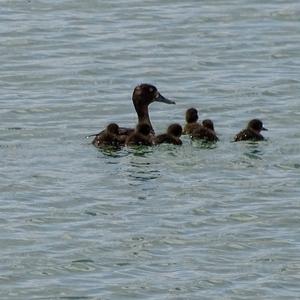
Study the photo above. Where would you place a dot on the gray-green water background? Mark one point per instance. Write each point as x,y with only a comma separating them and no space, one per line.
171,222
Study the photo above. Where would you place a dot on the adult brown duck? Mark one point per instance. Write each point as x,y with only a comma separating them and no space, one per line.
143,95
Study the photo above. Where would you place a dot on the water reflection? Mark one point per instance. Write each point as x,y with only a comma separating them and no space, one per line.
14,128
202,144
113,151
139,150
141,169
253,151
110,151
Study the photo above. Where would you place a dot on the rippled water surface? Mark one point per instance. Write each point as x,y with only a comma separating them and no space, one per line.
190,222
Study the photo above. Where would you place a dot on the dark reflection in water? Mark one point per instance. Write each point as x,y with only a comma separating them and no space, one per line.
113,152
83,261
142,170
135,162
75,298
204,144
168,149
7,146
140,150
253,151
14,128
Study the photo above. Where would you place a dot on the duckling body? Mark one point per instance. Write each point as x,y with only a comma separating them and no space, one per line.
205,132
141,136
252,132
172,136
110,137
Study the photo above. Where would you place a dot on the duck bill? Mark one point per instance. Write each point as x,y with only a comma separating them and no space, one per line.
265,129
161,98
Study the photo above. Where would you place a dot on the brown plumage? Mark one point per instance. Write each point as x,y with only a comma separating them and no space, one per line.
110,137
172,136
191,118
141,136
252,132
205,132
143,95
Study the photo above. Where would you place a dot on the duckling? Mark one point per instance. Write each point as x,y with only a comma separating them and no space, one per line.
141,136
191,118
205,132
252,132
110,137
172,136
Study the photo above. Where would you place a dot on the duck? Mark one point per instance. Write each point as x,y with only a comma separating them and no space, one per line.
143,95
110,137
252,132
140,136
172,136
205,132
191,118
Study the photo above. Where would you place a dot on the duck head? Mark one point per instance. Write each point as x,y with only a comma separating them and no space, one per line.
112,128
143,95
175,130
191,115
256,125
207,123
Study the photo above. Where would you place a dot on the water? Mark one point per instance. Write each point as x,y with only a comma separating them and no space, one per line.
188,222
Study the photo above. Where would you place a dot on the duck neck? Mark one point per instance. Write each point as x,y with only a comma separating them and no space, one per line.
143,116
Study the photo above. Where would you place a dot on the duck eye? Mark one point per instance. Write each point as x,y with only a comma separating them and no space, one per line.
151,90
